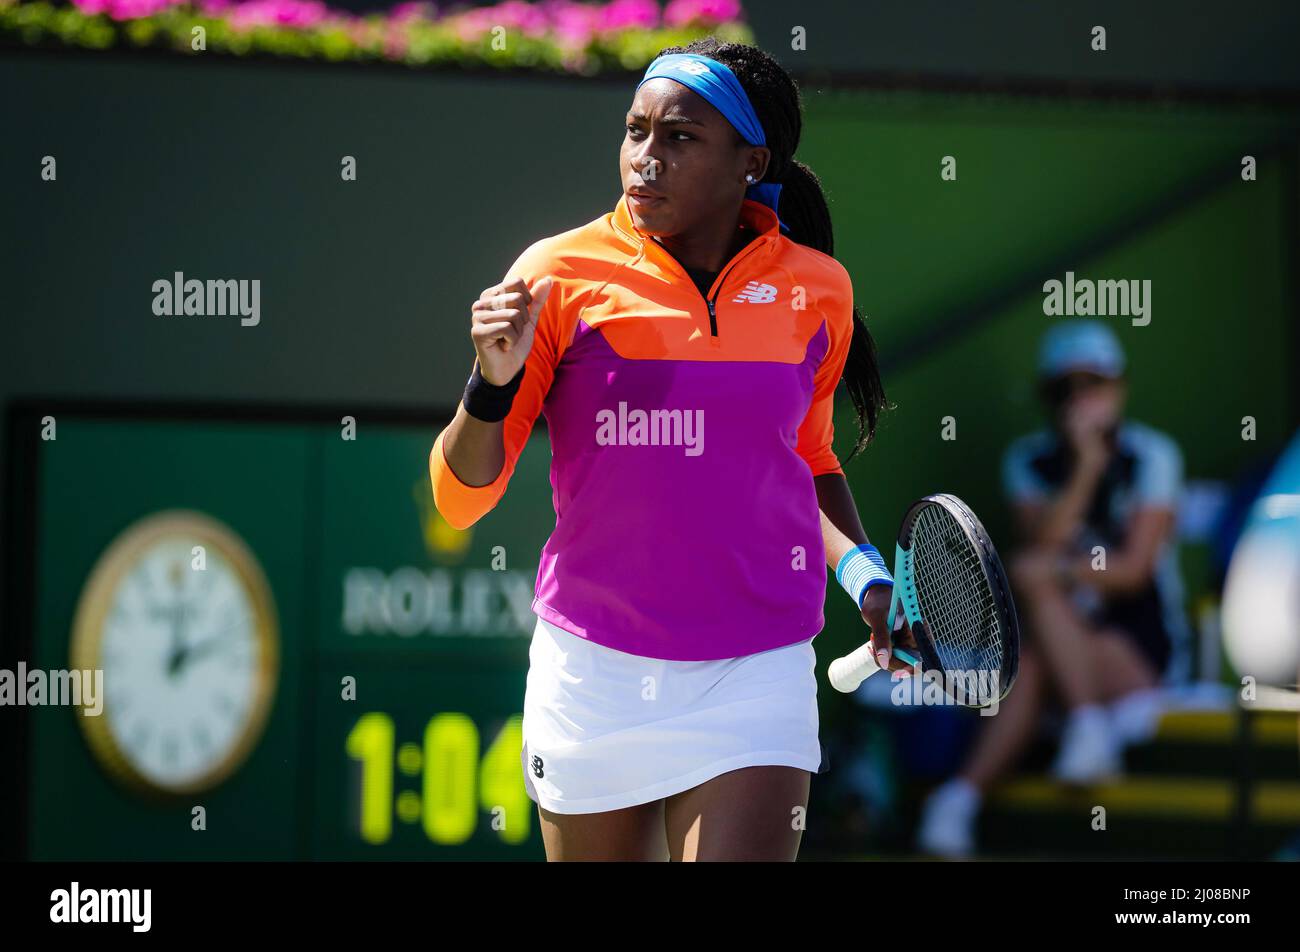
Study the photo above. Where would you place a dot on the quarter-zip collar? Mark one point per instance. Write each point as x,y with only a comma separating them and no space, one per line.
754,215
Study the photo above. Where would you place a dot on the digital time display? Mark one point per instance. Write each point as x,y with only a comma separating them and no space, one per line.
425,764
463,779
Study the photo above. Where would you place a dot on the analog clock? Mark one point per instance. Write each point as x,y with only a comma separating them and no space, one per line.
179,616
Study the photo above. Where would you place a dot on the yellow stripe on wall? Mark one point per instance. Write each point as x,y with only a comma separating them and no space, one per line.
1269,727
1194,797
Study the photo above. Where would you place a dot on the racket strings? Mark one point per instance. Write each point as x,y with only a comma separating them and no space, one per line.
957,602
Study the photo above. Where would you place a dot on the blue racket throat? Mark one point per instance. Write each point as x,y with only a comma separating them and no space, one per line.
904,595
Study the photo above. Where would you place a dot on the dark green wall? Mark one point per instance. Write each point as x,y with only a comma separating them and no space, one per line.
1200,43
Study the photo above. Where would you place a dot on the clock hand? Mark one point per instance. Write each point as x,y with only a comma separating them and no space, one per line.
205,647
182,649
213,642
176,657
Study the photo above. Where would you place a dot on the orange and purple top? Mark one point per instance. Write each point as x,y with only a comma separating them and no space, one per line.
685,434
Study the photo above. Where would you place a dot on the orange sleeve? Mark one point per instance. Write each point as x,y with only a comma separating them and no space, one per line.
817,432
463,505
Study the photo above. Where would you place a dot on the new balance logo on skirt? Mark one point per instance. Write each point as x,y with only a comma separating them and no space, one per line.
755,293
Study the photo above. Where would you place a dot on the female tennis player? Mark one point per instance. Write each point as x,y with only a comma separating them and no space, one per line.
685,349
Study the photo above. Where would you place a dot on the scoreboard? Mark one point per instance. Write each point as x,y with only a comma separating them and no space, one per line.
301,659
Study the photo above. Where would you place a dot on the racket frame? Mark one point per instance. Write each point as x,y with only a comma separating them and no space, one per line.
905,595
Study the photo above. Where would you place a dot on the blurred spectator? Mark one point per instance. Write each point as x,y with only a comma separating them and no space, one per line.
1091,486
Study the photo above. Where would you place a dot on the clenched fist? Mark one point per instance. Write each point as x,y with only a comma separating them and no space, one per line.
503,321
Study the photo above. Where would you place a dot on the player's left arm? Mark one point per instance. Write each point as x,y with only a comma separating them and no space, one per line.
840,523
841,527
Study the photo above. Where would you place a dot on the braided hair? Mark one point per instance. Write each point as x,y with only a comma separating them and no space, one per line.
803,204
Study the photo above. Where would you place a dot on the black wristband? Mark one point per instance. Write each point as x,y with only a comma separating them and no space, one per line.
486,401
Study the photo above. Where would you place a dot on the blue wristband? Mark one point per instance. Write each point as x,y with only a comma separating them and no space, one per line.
860,568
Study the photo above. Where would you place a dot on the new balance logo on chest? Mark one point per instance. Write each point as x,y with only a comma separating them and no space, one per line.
755,292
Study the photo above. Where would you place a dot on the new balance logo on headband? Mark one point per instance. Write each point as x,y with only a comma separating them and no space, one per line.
695,69
755,293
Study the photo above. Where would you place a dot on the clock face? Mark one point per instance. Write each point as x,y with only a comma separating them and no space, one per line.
178,616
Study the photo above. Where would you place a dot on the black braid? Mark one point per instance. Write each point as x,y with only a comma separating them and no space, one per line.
803,203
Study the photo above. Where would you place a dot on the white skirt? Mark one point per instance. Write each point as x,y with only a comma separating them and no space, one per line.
604,729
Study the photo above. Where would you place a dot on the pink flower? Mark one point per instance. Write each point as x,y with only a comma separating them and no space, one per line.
472,25
630,14
396,44
682,12
570,23
573,24
294,13
413,10
528,18
135,9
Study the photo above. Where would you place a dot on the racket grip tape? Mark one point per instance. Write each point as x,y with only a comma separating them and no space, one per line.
848,672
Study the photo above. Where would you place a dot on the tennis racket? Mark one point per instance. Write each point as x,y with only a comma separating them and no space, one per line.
952,589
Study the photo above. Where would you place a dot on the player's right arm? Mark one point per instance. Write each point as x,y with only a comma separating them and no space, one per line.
472,459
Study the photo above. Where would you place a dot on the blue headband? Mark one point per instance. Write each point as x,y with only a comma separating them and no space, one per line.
722,90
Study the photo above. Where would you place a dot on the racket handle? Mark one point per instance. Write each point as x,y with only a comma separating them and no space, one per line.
848,672
855,667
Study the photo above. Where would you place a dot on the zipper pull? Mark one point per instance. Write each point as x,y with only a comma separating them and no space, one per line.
713,319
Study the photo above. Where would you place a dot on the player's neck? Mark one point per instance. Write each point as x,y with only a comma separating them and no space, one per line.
706,253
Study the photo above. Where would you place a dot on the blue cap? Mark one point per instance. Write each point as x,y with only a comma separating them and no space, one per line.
1088,346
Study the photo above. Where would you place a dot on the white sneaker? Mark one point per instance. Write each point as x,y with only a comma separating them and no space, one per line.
1089,749
1135,717
948,821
